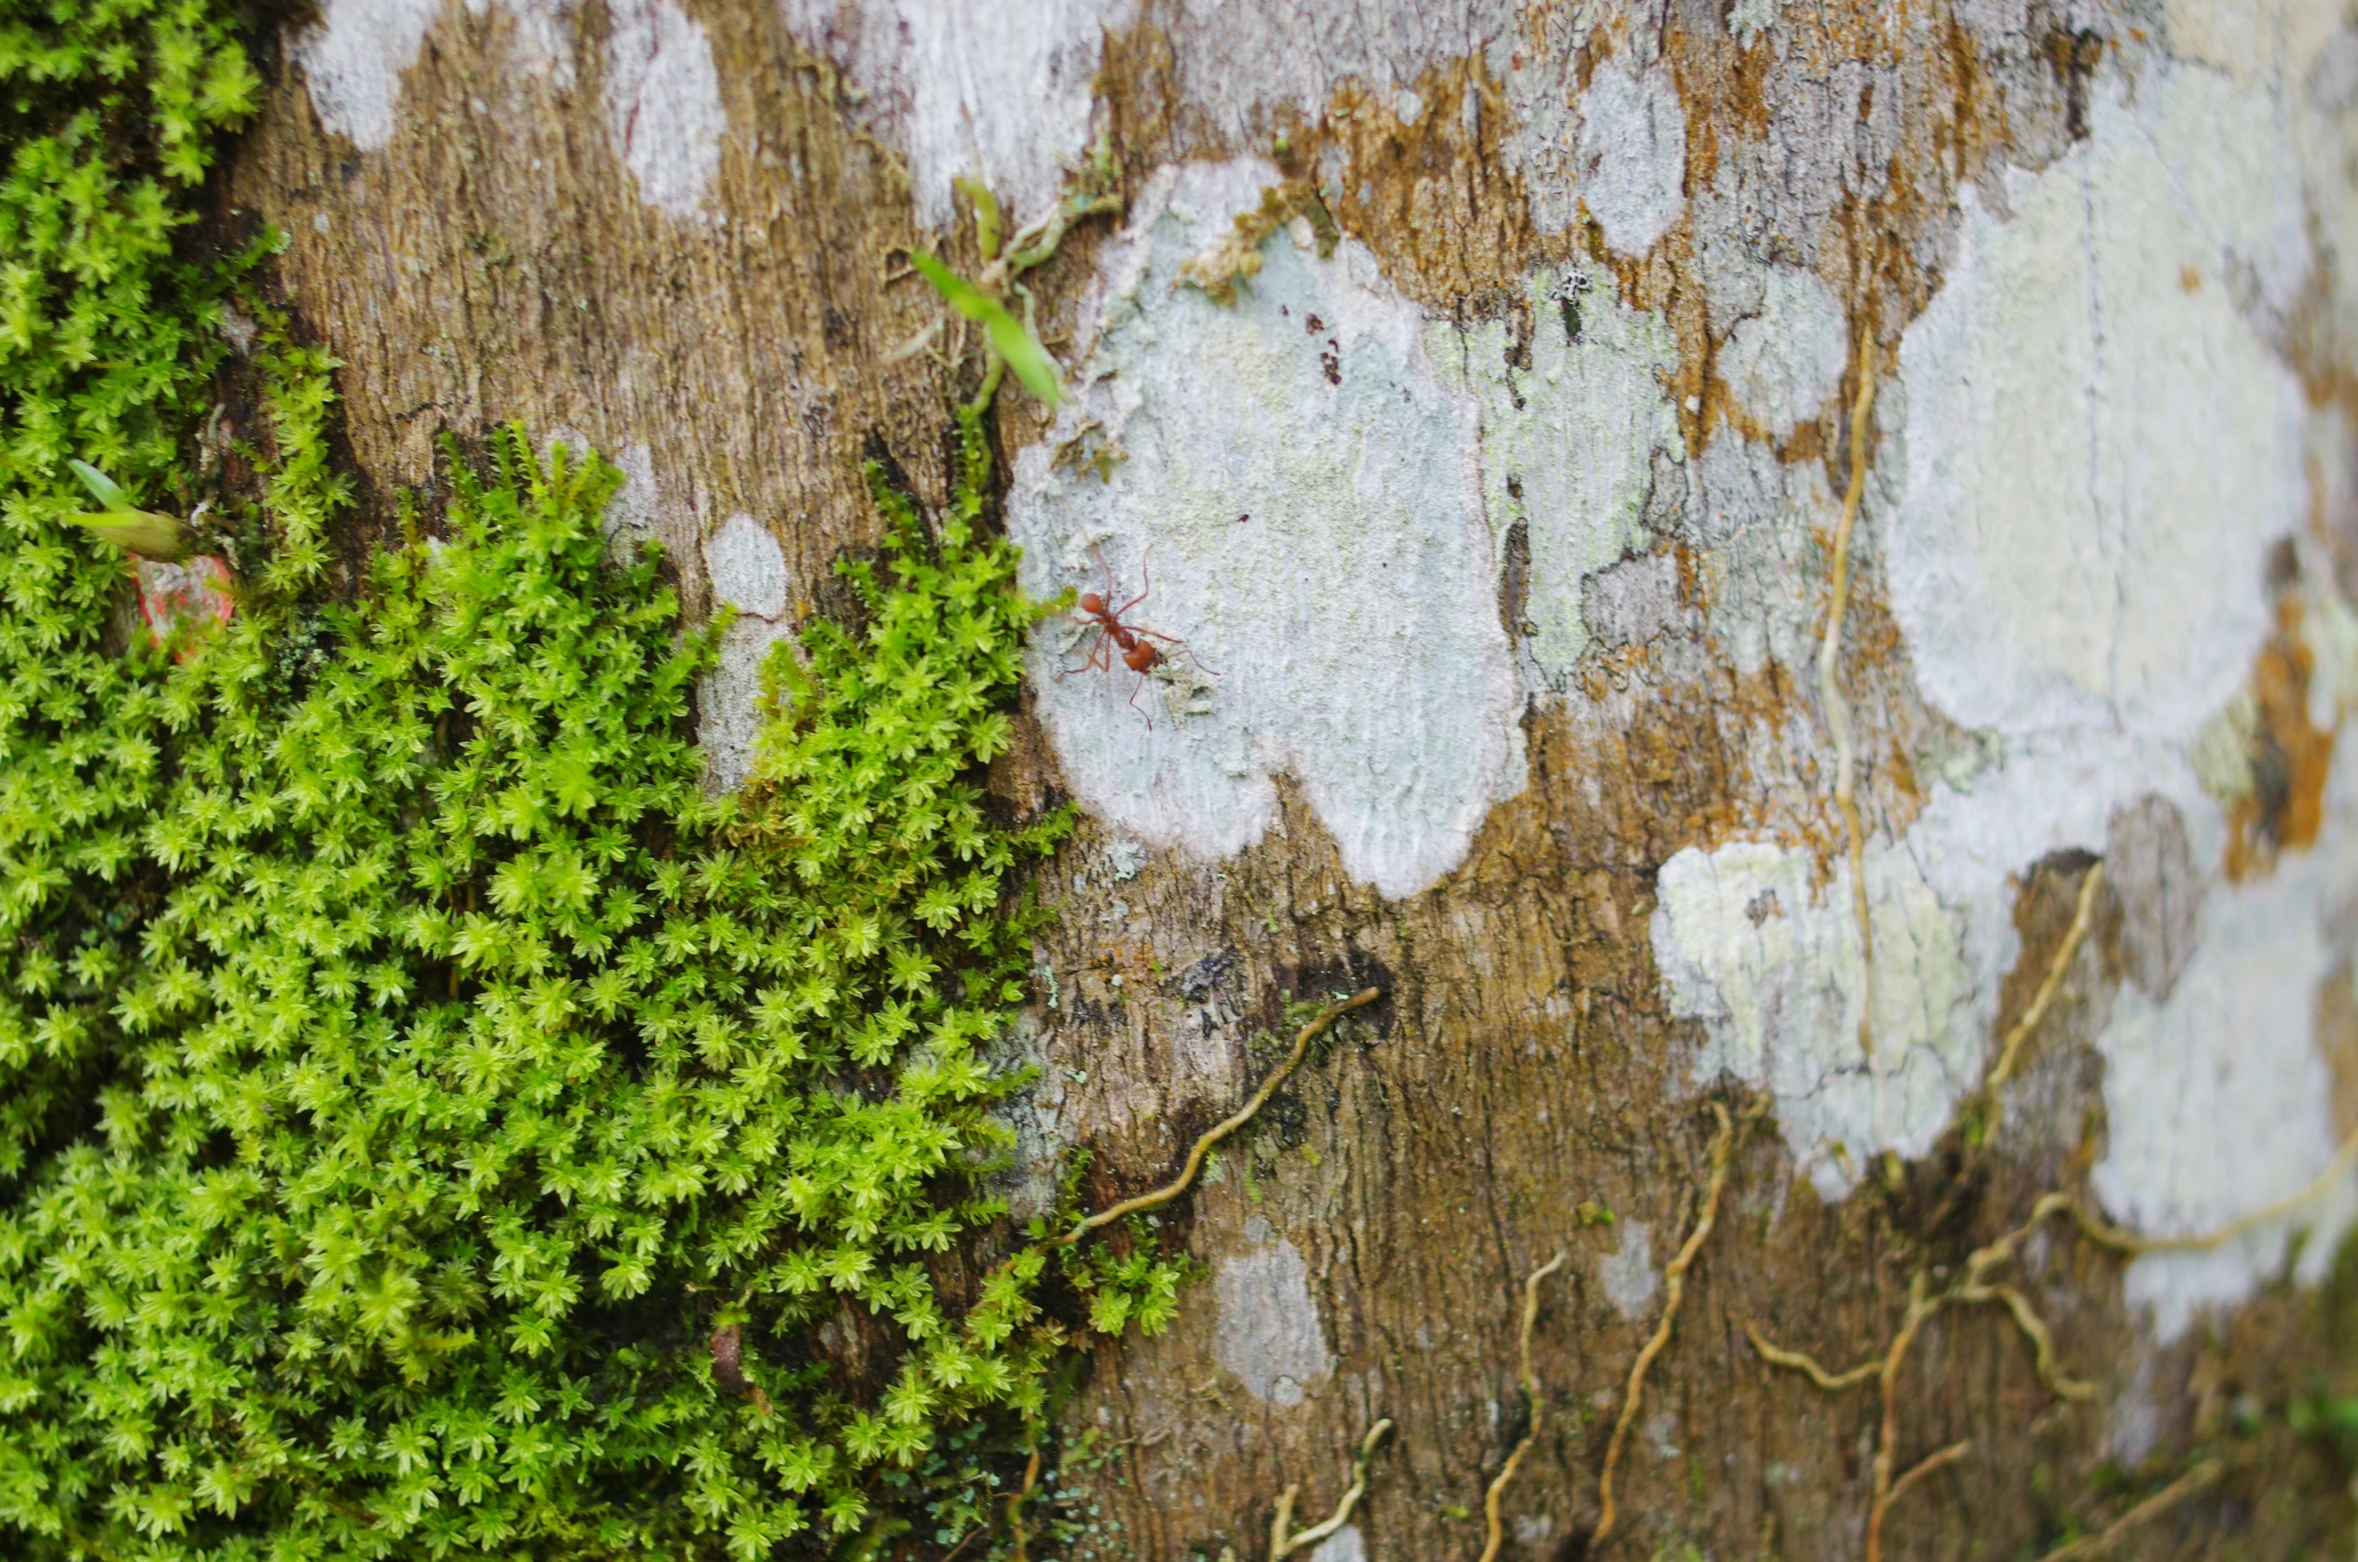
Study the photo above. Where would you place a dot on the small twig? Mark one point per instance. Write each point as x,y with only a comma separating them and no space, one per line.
1530,1381
2081,916
1929,1463
1229,1125
1283,1544
1801,1361
2104,1234
1674,1277
1921,1305
2145,1512
1837,708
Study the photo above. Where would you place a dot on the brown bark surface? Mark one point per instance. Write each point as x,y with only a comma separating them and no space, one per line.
1522,1076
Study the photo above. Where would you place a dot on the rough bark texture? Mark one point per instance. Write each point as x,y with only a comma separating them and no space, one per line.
1621,263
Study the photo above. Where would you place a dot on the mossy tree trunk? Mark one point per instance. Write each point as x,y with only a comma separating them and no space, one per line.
1502,509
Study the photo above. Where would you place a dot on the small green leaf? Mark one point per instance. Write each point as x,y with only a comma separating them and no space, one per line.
143,532
1019,347
103,488
956,291
1030,361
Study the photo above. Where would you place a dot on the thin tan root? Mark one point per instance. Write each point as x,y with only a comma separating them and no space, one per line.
2034,1328
2082,915
1837,707
1921,1305
1496,1529
1803,1362
1015,1501
2104,1234
2145,1512
1929,1463
1284,1541
1229,1125
1674,1276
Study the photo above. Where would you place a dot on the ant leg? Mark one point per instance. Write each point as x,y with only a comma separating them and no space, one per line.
1145,581
1189,650
1134,691
1098,553
1095,645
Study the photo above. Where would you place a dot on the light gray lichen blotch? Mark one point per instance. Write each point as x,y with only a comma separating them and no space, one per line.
1269,1332
1783,362
1569,442
663,110
1633,153
352,59
663,106
2091,450
1308,481
748,572
1628,1274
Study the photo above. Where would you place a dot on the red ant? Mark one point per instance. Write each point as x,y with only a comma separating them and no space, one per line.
1107,633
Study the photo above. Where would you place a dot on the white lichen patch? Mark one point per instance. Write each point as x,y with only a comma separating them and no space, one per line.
1344,1545
541,37
1270,1333
1770,963
2217,1102
746,566
1784,362
1633,153
747,569
2084,551
1627,1274
662,102
1568,442
635,515
2096,451
1615,150
996,92
353,57
1309,482
2099,446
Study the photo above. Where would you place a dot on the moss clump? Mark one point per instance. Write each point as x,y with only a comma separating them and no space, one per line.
108,112
429,1124
497,1116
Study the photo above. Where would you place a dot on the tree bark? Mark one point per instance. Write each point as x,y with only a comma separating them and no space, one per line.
1499,498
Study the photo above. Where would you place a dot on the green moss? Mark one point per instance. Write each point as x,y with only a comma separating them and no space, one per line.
105,341
501,1115
430,1125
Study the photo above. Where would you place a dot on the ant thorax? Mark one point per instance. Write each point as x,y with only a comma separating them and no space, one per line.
1103,634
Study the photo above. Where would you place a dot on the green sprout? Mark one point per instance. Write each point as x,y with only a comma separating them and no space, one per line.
147,533
1093,188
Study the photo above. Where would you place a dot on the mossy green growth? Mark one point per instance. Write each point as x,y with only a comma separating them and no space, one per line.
498,1115
430,1124
109,109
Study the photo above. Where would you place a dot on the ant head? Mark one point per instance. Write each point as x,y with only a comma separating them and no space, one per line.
1141,656
1091,602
